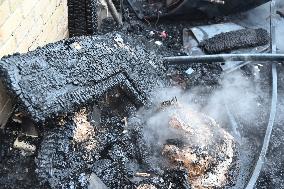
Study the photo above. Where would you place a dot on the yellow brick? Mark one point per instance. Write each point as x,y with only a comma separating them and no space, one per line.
58,2
41,9
28,40
48,27
55,24
46,14
20,33
9,47
34,45
4,11
39,41
61,17
28,7
10,25
23,47
14,4
32,24
51,35
62,27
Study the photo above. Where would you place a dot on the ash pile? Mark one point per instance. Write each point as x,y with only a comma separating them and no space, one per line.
86,93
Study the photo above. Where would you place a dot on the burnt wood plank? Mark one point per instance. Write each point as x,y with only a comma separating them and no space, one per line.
61,77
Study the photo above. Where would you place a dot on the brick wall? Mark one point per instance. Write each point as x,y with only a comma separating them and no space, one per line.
27,24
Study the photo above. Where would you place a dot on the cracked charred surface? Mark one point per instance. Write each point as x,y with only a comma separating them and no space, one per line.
116,153
70,154
61,77
59,158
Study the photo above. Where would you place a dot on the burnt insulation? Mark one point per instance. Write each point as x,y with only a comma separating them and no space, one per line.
233,40
82,17
61,77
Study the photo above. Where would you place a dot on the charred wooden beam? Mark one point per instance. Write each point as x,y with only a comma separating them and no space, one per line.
61,77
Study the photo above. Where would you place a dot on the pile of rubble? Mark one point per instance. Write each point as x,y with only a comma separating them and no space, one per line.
97,125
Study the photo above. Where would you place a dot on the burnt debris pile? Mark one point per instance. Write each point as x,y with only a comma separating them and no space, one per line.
123,154
87,92
60,77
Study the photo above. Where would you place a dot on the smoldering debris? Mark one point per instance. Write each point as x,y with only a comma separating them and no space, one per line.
189,140
108,139
125,157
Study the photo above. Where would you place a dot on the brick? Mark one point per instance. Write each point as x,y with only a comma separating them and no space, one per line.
29,39
48,11
34,45
20,33
62,35
51,34
28,26
41,9
28,7
15,4
58,2
36,24
4,11
24,45
9,47
10,25
61,16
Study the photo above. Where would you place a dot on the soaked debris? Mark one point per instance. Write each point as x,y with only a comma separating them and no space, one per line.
88,129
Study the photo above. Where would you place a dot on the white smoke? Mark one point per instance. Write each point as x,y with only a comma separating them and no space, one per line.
237,93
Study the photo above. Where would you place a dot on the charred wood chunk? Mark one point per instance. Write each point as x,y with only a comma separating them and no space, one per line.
233,40
82,17
70,154
67,153
62,77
